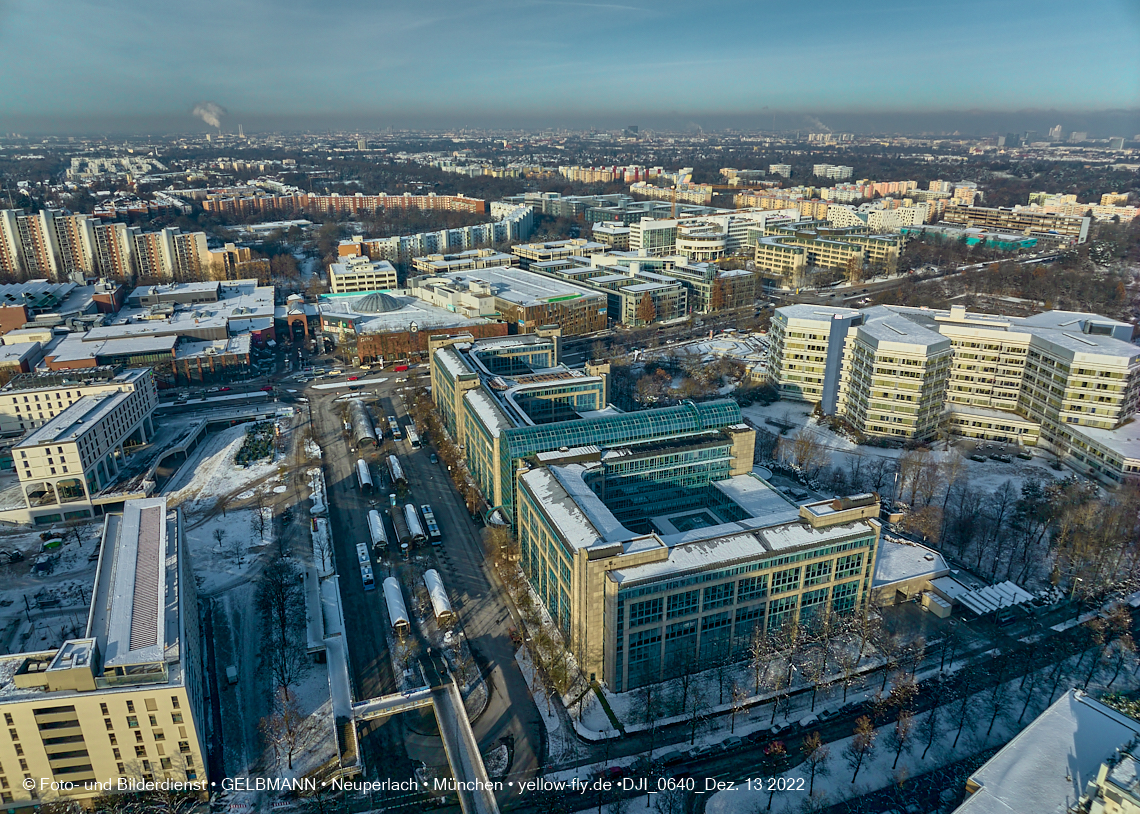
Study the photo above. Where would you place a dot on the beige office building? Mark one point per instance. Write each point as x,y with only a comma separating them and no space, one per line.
359,274
125,700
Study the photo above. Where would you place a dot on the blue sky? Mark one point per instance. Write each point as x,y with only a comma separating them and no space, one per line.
526,61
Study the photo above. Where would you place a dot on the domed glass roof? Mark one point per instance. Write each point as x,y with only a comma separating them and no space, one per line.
377,303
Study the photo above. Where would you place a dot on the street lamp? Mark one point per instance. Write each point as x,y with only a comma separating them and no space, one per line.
1073,590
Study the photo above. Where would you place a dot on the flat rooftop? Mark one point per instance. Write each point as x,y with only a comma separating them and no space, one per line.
80,418
523,288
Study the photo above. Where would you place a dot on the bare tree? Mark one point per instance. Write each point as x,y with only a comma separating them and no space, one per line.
287,728
280,602
816,756
930,726
899,736
861,745
998,701
739,705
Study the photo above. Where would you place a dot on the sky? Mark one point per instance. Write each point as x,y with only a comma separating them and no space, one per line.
82,65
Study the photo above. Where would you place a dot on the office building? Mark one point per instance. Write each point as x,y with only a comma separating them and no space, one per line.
529,253
359,274
787,252
526,300
126,699
1057,763
613,235
1033,224
646,535
1116,143
469,260
77,440
1067,381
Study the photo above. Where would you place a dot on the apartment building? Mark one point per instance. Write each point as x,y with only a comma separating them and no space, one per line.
359,274
1028,222
1068,381
236,263
170,254
111,250
838,172
780,169
876,217
68,459
126,699
704,237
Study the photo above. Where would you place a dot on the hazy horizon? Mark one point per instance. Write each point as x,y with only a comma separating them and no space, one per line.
82,67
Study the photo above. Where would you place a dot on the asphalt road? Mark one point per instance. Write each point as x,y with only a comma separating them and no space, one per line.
510,713
381,741
393,747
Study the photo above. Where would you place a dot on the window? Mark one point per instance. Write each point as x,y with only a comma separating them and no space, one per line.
151,706
130,706
642,613
132,721
158,736
8,719
153,720
23,765
184,747
176,717
164,762
140,751
751,588
19,749
786,580
117,754
717,596
817,573
848,566
13,734
120,768
138,736
103,709
683,604
112,738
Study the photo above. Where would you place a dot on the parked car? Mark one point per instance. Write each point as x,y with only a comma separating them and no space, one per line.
612,773
433,458
268,388
224,389
733,742
979,458
353,378
1005,459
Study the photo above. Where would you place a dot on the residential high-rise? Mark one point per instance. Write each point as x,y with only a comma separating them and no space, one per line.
111,247
1056,133
171,254
780,169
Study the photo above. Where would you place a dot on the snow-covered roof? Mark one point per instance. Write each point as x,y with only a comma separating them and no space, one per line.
701,555
489,413
758,498
452,362
572,523
902,560
1046,767
82,417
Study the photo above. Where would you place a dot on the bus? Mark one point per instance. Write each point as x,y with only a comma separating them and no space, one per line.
430,524
413,436
394,427
366,575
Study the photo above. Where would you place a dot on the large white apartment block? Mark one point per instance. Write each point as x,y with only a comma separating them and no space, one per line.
124,699
1070,381
876,216
65,462
704,237
359,274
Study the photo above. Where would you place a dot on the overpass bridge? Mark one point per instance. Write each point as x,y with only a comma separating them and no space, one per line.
472,785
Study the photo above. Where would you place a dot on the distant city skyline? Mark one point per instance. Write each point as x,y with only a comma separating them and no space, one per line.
83,66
